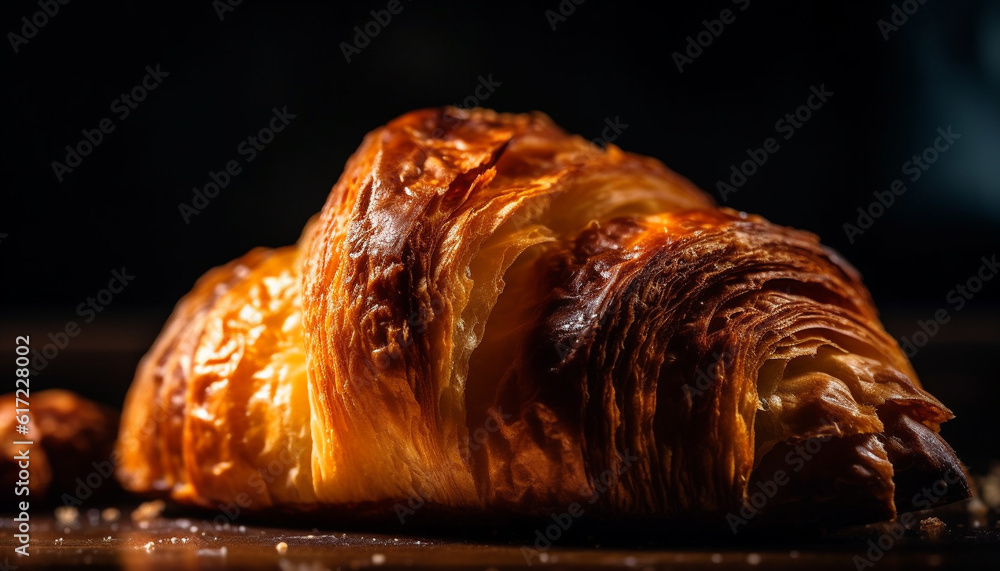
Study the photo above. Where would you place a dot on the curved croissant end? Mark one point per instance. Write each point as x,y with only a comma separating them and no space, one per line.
490,314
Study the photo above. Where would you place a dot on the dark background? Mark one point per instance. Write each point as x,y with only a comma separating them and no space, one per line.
59,241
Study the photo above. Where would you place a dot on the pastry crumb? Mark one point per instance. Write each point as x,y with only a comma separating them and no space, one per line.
148,510
67,514
989,487
220,552
281,547
933,527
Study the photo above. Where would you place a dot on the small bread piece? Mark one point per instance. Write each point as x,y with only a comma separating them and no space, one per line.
71,437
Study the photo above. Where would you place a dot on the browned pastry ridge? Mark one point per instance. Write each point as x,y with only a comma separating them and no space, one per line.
491,315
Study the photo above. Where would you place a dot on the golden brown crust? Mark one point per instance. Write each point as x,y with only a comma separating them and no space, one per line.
223,392
492,314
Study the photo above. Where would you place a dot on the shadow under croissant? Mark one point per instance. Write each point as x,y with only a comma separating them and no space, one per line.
435,522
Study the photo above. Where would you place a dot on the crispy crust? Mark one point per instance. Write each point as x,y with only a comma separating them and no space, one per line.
490,314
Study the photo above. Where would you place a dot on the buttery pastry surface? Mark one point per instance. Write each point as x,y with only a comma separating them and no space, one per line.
491,314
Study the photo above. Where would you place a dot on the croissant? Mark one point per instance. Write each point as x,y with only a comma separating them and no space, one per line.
491,315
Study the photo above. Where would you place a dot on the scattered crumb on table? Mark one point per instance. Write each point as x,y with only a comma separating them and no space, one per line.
933,527
148,510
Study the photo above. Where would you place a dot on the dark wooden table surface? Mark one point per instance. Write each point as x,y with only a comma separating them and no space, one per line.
98,539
